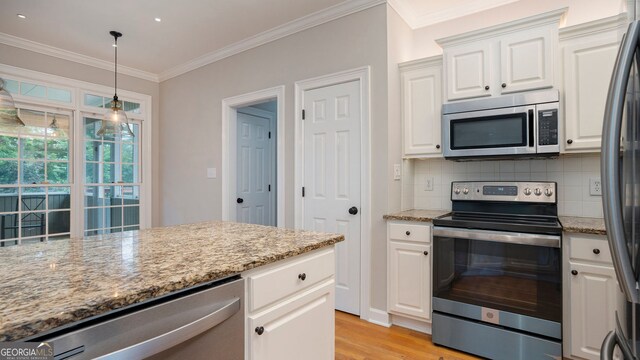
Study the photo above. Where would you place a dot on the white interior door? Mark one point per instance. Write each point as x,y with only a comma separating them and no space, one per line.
332,129
255,201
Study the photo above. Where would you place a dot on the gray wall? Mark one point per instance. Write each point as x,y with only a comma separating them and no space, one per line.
191,118
51,65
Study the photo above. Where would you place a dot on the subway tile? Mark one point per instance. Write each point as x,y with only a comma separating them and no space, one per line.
506,166
539,176
507,177
573,208
538,166
474,167
521,166
459,167
573,179
592,209
488,166
522,176
572,163
572,193
555,164
591,163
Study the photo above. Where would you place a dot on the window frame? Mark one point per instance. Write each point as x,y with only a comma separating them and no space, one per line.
79,110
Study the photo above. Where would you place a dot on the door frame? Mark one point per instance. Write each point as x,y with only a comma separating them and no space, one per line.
229,143
361,74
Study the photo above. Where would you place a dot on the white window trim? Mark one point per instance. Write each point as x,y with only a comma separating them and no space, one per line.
78,89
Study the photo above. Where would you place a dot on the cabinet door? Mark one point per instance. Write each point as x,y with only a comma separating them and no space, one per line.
410,279
421,109
468,70
587,72
526,60
595,297
299,328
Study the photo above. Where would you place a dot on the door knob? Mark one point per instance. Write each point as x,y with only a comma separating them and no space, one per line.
596,251
569,141
504,85
426,252
260,330
240,200
486,87
302,276
574,272
353,210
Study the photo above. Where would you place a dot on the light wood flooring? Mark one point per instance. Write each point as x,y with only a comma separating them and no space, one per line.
360,340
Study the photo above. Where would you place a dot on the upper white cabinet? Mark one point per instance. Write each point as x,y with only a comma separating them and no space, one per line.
516,56
526,60
421,94
588,56
468,70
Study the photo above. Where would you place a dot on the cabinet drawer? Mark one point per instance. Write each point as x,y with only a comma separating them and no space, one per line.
590,249
272,285
410,232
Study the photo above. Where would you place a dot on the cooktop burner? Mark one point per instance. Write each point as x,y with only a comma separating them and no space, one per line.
526,207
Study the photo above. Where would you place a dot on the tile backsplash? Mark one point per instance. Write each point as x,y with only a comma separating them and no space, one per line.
571,173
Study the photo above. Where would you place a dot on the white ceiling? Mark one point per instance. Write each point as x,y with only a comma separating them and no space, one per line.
192,32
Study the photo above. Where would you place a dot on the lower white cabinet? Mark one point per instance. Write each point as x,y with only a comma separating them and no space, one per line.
295,319
409,270
594,295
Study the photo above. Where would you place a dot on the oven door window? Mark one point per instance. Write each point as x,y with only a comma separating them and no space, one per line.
509,130
522,279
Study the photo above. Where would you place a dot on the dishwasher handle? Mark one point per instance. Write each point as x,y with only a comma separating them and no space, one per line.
177,336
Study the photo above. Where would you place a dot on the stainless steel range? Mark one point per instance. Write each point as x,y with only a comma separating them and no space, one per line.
497,283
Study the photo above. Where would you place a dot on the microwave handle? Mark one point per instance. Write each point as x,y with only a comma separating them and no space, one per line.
531,129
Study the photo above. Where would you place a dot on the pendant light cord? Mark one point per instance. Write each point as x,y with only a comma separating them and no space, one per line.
115,90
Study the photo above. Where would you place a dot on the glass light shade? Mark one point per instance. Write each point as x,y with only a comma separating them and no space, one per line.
115,121
54,131
8,112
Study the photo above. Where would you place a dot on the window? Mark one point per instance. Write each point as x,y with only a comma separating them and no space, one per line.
112,180
54,184
35,192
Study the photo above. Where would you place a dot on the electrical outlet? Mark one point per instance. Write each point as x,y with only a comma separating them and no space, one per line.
428,183
397,170
595,187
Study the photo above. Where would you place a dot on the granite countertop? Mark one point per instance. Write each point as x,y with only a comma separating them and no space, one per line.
48,285
583,225
416,215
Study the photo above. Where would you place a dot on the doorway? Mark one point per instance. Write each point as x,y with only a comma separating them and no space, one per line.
253,158
256,164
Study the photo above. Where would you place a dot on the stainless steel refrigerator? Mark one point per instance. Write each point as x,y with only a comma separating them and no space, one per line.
620,168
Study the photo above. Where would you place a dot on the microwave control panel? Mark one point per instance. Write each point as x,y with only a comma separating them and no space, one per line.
548,127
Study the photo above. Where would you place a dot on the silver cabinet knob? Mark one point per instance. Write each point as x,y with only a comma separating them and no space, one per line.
527,191
548,192
537,191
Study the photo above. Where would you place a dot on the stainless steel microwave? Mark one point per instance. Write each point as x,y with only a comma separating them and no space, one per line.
516,125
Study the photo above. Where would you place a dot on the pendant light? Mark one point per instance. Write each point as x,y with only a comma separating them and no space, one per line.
54,130
115,121
8,112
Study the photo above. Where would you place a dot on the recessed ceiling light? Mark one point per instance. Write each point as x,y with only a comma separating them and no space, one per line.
22,16
157,19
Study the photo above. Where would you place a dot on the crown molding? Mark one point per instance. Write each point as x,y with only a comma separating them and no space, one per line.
335,12
406,12
550,17
72,56
594,27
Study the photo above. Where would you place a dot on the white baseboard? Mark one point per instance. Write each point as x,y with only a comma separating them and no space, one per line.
378,317
413,324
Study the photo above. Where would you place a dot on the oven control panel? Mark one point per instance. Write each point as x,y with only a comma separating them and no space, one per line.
518,191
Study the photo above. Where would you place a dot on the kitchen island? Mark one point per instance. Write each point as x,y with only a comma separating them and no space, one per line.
49,286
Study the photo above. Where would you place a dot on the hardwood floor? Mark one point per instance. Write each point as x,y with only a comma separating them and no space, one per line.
360,340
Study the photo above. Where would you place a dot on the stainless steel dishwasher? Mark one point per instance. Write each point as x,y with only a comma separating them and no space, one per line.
202,323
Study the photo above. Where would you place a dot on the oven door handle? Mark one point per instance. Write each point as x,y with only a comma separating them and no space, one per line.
499,236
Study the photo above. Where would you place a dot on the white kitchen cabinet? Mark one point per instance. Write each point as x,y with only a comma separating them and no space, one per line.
516,56
409,270
527,60
588,56
593,295
299,328
421,96
290,307
468,70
